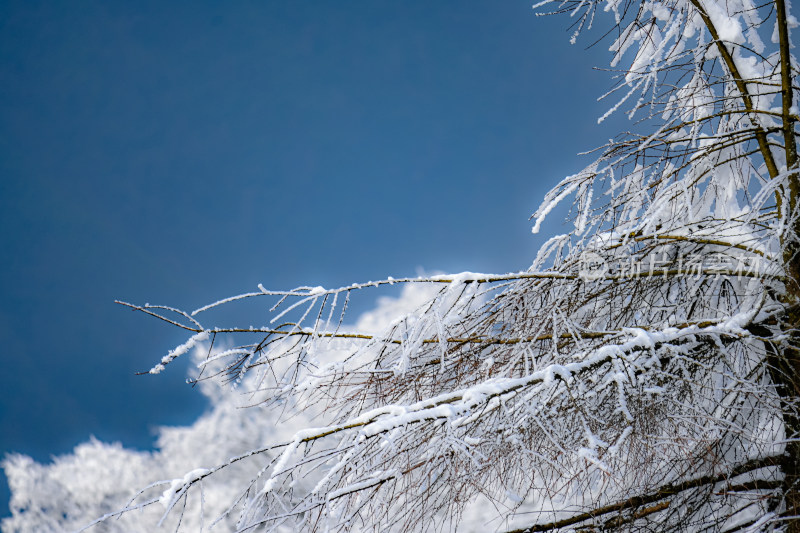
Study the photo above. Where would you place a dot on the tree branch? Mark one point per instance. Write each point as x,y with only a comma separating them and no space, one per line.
662,493
741,85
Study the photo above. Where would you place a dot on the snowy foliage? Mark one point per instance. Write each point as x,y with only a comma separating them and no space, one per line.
643,371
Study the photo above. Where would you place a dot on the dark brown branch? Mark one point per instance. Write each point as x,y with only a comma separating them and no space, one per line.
741,86
662,493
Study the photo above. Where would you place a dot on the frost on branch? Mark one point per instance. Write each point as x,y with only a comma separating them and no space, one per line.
644,371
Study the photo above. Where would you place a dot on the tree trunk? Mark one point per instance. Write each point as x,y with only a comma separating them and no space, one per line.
785,373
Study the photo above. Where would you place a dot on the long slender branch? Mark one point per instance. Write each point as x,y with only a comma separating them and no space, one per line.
458,340
479,278
453,340
689,238
662,493
466,277
741,85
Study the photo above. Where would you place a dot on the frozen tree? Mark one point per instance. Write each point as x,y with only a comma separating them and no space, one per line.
643,374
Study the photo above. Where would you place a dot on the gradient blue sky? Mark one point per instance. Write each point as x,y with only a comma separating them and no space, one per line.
178,152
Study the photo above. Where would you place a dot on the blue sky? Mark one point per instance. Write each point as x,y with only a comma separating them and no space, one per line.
180,152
